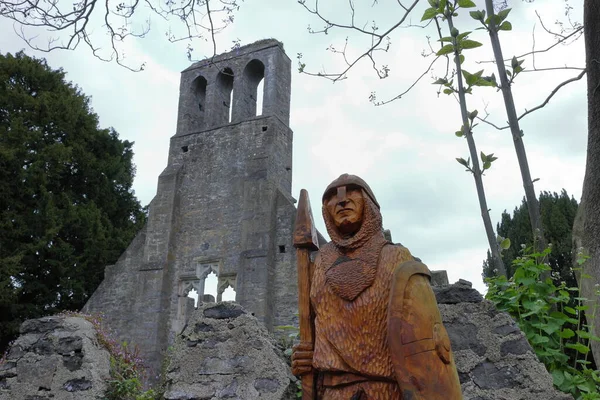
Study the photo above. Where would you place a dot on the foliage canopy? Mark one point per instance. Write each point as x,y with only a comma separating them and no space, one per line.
558,214
66,204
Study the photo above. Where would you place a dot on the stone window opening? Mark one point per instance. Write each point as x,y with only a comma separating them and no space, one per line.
193,293
228,294
225,90
210,287
199,89
226,288
282,249
253,87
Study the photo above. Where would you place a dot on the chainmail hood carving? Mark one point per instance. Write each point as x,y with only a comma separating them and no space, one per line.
352,261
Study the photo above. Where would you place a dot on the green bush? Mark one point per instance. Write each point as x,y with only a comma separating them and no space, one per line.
552,318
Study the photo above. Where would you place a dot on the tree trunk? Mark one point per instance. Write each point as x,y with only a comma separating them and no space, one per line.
533,207
499,268
586,229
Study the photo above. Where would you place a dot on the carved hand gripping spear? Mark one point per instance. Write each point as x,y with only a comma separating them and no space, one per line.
305,241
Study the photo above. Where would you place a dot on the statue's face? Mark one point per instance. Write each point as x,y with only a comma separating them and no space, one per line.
346,209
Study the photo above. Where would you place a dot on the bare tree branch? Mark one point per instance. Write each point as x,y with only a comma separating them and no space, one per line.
377,40
72,23
577,31
381,103
542,105
556,89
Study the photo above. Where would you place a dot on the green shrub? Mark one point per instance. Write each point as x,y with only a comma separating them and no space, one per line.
552,318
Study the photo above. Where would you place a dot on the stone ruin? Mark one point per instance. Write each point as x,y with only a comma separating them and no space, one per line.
226,353
224,205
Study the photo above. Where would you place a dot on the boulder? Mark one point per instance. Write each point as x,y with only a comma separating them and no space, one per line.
56,358
226,353
492,355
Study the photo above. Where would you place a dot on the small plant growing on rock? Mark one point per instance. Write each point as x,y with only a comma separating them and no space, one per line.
552,318
126,365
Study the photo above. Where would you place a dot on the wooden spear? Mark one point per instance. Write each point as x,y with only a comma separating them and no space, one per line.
305,241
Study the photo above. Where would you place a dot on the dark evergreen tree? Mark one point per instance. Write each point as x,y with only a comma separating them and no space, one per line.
66,204
558,213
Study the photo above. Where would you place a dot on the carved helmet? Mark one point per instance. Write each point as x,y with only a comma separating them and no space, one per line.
352,180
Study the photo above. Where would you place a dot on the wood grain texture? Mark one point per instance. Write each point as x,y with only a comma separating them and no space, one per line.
352,340
305,239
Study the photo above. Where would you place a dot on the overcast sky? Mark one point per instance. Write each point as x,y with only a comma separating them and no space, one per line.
405,150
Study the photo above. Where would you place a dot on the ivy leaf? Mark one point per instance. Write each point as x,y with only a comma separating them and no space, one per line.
459,133
583,334
558,377
448,91
505,26
566,333
538,339
469,44
505,244
570,310
447,49
466,4
440,81
579,347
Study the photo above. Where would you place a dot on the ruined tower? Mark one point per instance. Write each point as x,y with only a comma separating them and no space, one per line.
223,205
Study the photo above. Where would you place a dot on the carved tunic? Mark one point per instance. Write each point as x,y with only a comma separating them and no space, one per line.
351,336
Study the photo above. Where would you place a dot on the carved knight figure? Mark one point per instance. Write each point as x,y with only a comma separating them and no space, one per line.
378,330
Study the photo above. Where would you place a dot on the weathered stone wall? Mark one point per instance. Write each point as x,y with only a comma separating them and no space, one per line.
223,205
206,86
493,358
56,358
225,353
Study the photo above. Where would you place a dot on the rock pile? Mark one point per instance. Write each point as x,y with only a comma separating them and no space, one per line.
226,353
56,358
493,358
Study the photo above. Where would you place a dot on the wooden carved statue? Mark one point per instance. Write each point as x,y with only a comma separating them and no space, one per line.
370,327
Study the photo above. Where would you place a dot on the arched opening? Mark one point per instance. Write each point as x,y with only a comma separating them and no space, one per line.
199,88
225,93
253,90
210,287
193,294
199,107
228,294
226,288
